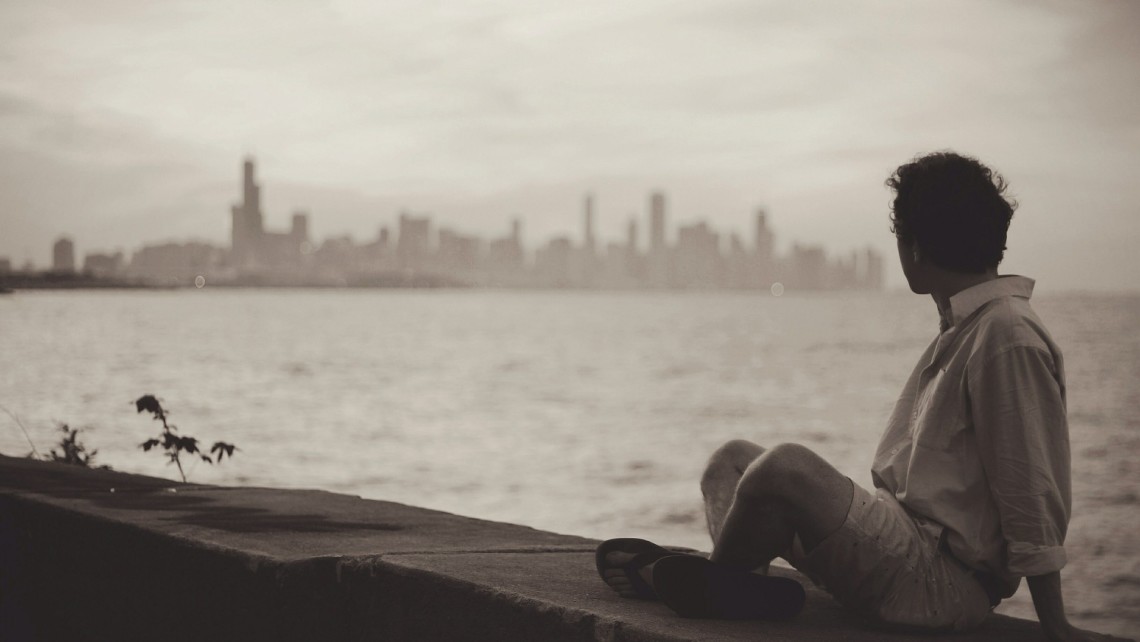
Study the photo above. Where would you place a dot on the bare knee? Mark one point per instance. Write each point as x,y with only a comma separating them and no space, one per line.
784,472
728,463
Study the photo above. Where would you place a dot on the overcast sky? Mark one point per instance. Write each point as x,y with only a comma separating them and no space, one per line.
123,122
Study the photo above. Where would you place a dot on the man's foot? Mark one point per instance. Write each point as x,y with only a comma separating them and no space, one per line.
697,588
626,565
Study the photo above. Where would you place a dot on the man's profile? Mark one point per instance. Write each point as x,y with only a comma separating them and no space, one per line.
971,476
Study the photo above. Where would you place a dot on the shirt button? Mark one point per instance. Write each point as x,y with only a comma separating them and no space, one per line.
894,451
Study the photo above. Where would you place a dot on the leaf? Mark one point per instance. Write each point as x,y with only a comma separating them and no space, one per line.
206,458
148,403
148,444
223,449
189,444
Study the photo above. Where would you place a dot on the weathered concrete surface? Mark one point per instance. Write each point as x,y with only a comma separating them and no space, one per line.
97,555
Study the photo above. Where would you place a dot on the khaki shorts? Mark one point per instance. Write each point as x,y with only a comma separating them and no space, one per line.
881,564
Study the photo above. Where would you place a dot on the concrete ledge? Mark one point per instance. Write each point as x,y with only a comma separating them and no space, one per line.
99,555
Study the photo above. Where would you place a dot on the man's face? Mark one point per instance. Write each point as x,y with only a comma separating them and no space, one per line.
911,263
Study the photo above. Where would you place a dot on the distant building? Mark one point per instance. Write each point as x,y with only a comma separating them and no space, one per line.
338,257
505,258
63,255
656,222
808,270
657,260
869,274
5,265
251,246
587,264
764,237
413,246
554,263
377,255
697,260
248,225
458,254
634,267
739,271
762,267
176,263
103,265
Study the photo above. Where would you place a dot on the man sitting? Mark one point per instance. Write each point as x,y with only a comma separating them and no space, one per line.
971,477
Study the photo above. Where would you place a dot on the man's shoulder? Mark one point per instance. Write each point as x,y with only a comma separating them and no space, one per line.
1007,323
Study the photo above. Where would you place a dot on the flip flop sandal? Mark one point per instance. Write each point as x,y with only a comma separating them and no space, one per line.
644,552
697,588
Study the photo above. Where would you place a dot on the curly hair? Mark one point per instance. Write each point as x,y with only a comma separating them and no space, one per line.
954,208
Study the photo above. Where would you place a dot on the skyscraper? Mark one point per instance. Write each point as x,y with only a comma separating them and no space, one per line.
247,219
657,259
763,237
588,242
63,255
414,242
656,222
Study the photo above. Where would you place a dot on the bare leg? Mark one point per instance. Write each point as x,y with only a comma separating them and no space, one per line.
784,491
756,501
722,475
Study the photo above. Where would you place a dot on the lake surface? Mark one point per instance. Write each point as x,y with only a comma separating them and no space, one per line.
578,412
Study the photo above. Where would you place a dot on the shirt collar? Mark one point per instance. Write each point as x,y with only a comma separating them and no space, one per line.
968,301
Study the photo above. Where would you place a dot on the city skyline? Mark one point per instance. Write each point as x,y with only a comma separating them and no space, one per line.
120,122
413,252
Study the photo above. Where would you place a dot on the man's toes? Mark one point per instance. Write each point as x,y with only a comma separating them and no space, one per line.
618,583
618,558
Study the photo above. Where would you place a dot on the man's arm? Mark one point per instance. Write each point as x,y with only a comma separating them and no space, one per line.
1047,600
1018,412
1046,592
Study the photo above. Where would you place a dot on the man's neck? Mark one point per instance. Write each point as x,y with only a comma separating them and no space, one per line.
951,283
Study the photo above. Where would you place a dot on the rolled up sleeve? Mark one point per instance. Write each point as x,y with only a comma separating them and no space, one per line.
1018,410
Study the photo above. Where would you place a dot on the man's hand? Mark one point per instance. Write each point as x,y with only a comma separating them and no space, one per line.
1050,607
1080,635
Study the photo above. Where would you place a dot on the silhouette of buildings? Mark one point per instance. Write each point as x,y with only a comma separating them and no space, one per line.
63,255
176,263
418,254
657,260
252,248
413,247
103,265
505,259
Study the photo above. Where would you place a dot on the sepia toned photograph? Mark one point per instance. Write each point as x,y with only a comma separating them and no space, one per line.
503,320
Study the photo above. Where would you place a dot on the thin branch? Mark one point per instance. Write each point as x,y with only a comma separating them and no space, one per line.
22,429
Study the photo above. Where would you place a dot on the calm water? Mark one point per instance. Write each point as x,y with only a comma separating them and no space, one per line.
583,413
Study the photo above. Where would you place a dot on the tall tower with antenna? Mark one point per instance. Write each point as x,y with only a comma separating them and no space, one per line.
248,226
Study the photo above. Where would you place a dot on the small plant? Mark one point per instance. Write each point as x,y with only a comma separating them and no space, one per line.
175,444
72,451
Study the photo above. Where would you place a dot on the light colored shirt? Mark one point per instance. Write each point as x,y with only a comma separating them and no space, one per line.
977,448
